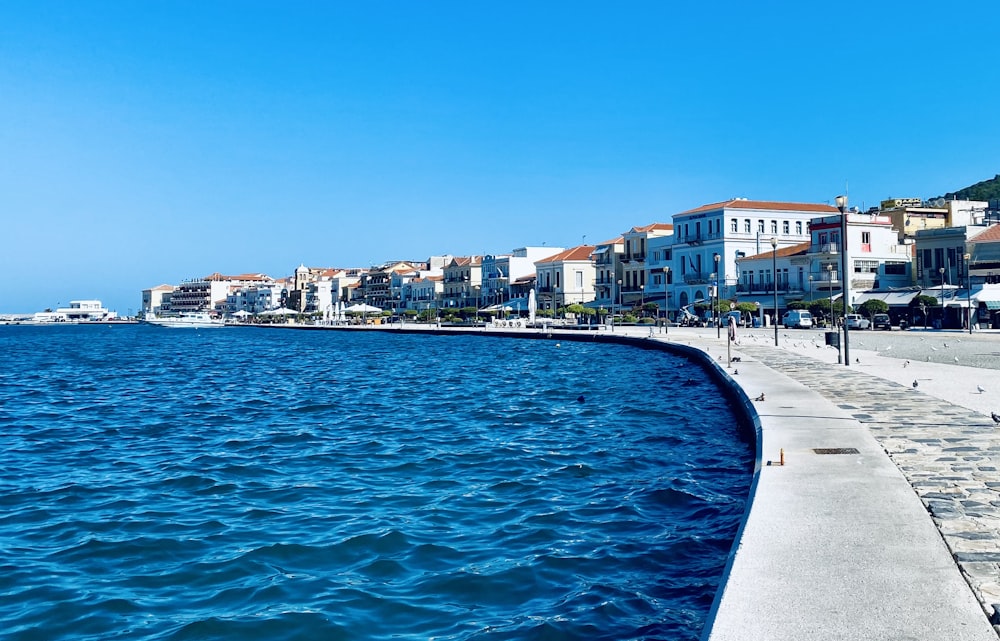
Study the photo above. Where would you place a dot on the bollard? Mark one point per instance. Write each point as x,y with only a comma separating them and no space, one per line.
782,456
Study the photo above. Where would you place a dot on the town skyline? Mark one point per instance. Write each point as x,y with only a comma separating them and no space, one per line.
158,143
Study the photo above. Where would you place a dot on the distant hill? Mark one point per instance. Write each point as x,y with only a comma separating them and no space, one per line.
985,190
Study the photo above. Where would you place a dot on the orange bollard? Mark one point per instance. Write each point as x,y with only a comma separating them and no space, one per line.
782,456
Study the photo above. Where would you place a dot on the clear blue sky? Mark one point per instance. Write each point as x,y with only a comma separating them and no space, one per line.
151,142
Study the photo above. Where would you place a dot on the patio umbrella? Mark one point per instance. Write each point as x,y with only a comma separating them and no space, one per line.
363,308
281,311
532,306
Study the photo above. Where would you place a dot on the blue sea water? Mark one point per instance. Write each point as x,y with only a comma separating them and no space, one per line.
265,484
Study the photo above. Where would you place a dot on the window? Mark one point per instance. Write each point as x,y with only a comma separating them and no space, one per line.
798,227
760,226
774,227
785,227
866,267
734,225
896,268
746,226
578,279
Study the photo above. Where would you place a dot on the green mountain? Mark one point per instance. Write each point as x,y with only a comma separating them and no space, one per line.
985,190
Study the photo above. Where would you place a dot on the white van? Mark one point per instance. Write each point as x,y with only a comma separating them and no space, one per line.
797,318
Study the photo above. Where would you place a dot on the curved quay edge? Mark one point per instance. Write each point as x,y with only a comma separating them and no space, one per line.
829,547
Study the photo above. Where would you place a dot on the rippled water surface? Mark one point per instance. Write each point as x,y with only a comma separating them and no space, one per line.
264,484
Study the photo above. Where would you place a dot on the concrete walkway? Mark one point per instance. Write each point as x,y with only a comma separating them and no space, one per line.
838,542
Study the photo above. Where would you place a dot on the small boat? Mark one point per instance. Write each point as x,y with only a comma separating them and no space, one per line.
193,320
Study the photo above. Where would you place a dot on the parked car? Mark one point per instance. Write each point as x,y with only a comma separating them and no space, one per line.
797,318
881,321
857,321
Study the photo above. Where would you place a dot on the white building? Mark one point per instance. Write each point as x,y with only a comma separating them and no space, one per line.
500,271
565,278
79,311
732,230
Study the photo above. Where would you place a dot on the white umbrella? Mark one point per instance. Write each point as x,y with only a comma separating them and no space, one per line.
362,307
281,311
532,306
242,314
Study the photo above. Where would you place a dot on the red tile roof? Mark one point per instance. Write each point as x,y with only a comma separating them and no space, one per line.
990,234
652,227
580,252
738,203
783,252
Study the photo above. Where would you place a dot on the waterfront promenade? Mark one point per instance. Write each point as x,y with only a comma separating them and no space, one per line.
884,521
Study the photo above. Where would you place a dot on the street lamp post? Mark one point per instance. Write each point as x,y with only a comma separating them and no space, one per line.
968,291
619,299
666,303
715,312
845,286
941,273
829,283
642,300
774,273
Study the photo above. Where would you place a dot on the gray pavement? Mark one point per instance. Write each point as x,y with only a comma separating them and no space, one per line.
898,540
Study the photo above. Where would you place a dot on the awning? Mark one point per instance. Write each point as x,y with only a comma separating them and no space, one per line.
991,304
892,299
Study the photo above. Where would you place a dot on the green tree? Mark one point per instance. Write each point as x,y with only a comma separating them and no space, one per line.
873,306
920,304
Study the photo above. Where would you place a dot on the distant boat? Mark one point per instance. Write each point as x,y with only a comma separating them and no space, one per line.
193,320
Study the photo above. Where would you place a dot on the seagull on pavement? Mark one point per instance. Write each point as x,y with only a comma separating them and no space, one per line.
956,359
915,384
905,363
996,419
980,388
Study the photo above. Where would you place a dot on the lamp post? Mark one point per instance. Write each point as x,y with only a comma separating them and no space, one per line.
845,286
968,290
941,273
642,300
712,293
829,283
619,299
774,272
666,303
715,312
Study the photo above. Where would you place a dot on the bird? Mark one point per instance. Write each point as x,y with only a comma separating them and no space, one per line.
956,359
736,372
905,363
915,384
944,344
761,398
980,388
857,360
995,417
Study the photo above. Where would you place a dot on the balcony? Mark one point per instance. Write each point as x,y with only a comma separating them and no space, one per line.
697,278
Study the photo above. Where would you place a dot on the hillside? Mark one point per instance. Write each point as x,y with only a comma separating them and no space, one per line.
985,190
